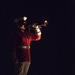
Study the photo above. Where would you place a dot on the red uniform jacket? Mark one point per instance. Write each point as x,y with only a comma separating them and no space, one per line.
23,39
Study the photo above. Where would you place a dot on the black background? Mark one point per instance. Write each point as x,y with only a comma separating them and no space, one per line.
54,54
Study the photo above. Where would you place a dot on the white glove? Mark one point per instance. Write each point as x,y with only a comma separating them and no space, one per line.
38,31
37,27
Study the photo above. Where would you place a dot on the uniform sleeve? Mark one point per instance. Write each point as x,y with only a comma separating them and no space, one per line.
37,35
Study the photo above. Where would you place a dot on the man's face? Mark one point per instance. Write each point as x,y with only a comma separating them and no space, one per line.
22,27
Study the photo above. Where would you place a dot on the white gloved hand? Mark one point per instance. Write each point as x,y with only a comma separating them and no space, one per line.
36,27
38,31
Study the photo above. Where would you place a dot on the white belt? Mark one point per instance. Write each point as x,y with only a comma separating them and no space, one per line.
25,47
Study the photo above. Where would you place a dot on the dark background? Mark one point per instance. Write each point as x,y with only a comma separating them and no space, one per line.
54,54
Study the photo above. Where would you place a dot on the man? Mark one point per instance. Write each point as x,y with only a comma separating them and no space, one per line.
21,46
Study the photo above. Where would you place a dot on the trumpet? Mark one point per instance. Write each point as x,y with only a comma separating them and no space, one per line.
39,25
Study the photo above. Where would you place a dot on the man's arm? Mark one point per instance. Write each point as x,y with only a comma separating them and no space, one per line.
37,31
37,35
